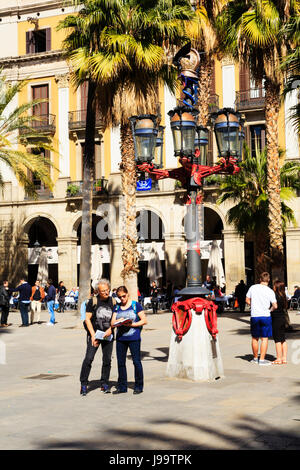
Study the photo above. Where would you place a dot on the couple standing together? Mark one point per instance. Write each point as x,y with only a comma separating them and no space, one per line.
102,315
268,318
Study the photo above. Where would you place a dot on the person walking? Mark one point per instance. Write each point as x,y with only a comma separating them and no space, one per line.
61,291
260,297
37,297
278,323
5,294
50,299
154,296
25,291
129,336
240,294
99,311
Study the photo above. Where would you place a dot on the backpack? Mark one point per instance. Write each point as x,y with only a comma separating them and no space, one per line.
93,319
133,303
3,300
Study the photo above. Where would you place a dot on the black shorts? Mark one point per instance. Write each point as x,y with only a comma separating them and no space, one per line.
278,326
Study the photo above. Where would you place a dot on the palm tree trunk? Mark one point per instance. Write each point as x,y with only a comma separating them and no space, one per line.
205,78
273,178
87,195
129,233
261,255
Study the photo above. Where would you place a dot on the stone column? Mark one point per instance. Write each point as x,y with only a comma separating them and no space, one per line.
292,258
234,256
175,259
63,124
67,261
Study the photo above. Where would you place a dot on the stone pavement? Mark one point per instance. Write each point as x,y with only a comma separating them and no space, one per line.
253,407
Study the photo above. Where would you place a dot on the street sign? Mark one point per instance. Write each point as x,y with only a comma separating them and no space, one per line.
144,185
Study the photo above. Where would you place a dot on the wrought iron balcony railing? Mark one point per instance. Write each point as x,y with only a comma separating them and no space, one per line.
77,120
42,193
43,123
213,103
74,188
250,99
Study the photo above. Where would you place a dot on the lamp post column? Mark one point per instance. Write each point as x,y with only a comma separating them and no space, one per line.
194,277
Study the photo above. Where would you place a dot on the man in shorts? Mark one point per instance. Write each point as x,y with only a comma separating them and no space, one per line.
262,300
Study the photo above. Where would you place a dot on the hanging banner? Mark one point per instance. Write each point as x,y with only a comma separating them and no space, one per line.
145,249
104,253
34,253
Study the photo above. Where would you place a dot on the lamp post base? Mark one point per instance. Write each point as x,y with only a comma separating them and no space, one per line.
197,356
194,291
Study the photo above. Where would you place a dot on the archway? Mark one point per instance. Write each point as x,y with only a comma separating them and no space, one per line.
213,228
42,232
100,237
150,228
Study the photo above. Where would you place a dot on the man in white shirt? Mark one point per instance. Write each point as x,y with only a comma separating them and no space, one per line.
262,300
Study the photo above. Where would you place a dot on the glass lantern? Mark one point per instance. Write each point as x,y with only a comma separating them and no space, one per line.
183,126
201,143
159,147
144,131
227,128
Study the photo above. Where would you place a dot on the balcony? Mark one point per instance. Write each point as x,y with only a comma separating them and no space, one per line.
74,188
42,193
250,100
44,124
213,103
77,120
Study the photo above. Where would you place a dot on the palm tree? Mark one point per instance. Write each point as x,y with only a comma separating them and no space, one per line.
20,140
119,46
247,190
251,30
291,64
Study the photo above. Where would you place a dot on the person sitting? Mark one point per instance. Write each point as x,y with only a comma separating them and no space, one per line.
208,283
296,294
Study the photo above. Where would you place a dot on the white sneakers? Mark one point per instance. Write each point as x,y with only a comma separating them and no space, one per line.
263,362
49,323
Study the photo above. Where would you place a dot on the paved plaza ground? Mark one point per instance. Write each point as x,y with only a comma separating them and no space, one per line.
252,408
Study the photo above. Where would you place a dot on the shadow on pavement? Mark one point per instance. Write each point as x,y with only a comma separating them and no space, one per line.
247,433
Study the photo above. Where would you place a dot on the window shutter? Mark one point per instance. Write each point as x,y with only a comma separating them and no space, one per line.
29,42
244,78
48,39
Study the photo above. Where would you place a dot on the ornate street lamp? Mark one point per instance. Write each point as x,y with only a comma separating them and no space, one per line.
144,131
190,146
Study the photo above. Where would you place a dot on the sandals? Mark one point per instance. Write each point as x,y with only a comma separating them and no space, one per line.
278,361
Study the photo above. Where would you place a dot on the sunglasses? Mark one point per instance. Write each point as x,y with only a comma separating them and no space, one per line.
122,296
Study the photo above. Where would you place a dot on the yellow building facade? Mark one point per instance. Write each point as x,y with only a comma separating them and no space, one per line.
31,49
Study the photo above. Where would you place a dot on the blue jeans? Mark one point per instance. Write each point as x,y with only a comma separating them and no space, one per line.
135,350
24,312
50,306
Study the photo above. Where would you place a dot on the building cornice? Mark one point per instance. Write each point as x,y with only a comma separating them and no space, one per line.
33,7
32,58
